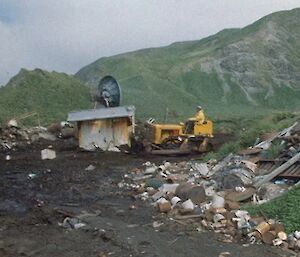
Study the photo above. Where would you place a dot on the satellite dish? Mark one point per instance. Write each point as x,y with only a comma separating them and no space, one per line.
109,92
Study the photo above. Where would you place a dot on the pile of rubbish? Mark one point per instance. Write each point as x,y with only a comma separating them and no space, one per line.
210,194
13,135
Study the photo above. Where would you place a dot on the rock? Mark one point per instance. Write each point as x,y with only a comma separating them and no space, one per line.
188,205
240,196
197,195
164,206
189,191
268,237
230,205
218,201
90,167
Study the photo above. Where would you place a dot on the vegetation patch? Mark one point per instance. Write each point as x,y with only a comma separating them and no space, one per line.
285,208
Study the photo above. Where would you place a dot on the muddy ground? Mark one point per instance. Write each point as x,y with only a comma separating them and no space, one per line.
37,195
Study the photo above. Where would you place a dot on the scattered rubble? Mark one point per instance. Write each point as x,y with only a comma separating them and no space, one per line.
208,194
13,136
211,193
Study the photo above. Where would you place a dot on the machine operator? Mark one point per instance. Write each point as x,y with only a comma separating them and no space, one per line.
199,117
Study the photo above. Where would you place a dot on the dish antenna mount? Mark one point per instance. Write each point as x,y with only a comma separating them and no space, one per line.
108,92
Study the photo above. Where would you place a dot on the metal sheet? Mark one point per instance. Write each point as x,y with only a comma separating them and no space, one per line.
104,134
102,113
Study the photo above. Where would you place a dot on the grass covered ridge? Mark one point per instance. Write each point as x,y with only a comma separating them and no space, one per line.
50,94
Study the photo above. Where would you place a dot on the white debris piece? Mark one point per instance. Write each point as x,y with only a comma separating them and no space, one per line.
169,188
48,154
90,167
12,123
218,201
201,168
188,205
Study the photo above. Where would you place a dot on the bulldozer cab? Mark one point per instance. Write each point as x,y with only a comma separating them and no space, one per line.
196,128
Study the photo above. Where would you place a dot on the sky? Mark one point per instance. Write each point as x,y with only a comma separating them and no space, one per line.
65,35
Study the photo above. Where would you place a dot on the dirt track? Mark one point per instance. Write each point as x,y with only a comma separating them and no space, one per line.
32,206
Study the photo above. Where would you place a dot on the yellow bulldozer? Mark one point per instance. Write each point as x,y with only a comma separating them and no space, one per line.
193,136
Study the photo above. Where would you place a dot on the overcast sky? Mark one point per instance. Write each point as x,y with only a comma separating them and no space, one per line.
65,35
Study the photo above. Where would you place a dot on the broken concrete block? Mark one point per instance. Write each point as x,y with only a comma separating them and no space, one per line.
188,205
189,191
218,201
48,154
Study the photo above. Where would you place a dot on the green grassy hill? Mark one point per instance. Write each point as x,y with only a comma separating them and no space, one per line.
51,94
235,73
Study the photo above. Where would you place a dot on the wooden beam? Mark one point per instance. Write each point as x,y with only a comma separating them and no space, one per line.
278,170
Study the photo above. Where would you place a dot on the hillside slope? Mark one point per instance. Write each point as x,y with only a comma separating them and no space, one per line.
235,72
51,94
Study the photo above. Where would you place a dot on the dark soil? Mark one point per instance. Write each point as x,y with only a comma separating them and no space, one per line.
37,195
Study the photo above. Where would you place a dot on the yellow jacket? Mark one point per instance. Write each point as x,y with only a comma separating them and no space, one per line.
199,117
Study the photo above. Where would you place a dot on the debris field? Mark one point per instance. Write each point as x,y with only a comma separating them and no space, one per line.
57,200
